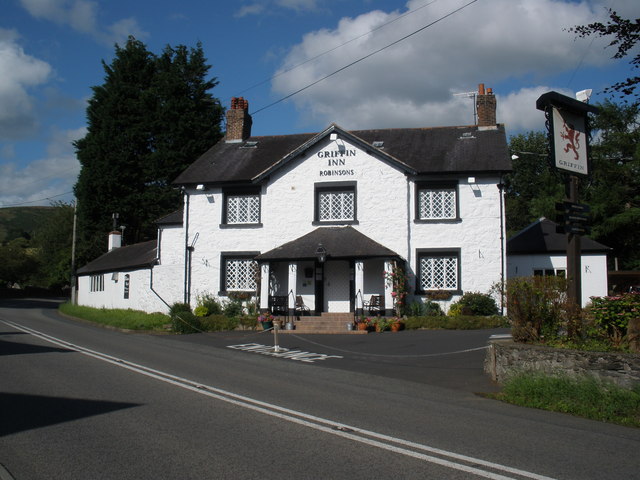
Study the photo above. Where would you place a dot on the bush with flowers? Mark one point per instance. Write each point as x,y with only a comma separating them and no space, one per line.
398,281
266,317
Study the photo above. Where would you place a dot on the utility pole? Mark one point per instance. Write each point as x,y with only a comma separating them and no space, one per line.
74,300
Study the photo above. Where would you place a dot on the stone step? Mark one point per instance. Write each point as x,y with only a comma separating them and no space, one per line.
327,323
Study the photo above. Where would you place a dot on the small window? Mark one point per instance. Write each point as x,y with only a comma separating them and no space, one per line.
242,208
436,202
97,283
336,204
549,272
239,272
438,270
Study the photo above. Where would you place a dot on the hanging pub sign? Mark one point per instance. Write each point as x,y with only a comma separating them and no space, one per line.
568,130
569,141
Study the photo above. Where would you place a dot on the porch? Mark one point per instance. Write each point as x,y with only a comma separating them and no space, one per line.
332,270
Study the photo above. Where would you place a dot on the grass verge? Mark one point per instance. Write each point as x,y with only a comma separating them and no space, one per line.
585,397
125,319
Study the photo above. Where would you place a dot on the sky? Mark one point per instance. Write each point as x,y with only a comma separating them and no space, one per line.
357,63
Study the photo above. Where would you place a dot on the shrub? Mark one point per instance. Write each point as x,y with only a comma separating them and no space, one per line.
460,322
537,306
185,322
474,303
179,307
201,311
232,308
610,315
210,302
219,322
421,309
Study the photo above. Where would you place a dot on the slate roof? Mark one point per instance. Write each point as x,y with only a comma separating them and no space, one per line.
339,242
466,149
124,258
541,237
174,218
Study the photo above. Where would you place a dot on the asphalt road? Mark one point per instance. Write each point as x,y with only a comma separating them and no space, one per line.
77,401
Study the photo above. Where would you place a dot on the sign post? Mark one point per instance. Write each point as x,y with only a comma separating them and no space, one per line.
568,130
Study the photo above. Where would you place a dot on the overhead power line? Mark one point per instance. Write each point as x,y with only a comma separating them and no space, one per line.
364,58
337,47
35,201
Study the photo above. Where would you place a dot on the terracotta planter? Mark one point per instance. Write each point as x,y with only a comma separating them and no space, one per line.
362,326
395,327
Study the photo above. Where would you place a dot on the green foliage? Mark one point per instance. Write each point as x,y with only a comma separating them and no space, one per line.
210,302
611,315
179,307
626,34
18,262
460,322
201,311
232,308
185,322
537,306
149,120
474,303
426,308
216,323
585,397
21,222
118,318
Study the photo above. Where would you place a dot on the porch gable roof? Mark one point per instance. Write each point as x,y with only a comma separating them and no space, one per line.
339,242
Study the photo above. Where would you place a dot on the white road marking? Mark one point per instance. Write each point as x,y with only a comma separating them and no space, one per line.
386,442
282,352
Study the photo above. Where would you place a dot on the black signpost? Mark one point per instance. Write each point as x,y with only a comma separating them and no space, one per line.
568,130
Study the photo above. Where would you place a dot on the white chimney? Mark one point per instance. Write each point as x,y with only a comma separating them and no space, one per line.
115,240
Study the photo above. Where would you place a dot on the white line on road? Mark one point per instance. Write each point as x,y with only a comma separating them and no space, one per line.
386,442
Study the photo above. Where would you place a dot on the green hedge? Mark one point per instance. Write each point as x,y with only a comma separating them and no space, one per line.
460,322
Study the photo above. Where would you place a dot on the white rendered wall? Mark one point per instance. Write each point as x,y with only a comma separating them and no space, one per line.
593,270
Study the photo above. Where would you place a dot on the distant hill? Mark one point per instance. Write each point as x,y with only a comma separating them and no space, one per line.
16,222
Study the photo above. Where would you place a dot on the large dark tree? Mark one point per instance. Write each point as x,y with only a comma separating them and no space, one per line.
626,34
150,119
532,188
613,189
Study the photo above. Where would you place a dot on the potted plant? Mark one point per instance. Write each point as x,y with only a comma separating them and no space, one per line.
395,324
266,320
382,324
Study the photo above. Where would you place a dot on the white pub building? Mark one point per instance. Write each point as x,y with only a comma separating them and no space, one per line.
313,221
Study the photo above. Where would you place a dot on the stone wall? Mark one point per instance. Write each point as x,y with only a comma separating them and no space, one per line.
506,358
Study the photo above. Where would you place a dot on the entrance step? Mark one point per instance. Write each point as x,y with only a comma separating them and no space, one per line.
326,323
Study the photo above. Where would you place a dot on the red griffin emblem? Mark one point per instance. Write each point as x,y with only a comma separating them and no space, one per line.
572,136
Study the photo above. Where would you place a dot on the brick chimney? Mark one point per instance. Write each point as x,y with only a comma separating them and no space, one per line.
238,121
486,108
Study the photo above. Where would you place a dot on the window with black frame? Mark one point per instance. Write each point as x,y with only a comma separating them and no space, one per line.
438,270
335,203
241,207
436,202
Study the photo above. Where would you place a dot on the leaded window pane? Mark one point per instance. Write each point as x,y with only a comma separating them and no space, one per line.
437,203
243,209
241,274
337,205
439,273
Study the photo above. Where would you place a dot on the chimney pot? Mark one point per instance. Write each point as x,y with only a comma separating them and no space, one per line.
486,108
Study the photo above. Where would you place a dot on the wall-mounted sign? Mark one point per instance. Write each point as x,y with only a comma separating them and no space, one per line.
337,158
570,141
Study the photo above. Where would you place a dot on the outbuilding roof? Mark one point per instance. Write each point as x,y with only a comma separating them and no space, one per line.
124,258
339,242
541,237
466,149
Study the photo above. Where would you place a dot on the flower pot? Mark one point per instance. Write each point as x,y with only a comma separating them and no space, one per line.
395,327
267,325
362,326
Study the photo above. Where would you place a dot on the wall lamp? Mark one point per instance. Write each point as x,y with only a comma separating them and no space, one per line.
321,253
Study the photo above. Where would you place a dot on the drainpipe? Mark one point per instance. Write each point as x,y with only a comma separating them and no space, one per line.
187,253
156,293
502,253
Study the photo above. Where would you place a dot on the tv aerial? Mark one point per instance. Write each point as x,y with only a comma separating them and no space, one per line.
471,95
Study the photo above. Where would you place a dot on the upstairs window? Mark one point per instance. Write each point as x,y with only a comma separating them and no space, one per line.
336,204
242,208
436,202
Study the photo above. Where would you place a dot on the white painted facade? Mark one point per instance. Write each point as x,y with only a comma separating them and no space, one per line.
593,270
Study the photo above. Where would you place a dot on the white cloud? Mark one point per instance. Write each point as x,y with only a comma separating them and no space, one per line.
412,83
19,73
82,16
44,180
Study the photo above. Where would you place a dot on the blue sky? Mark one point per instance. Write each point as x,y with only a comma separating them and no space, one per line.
51,53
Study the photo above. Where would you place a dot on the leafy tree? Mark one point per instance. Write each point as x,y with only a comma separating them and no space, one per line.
626,35
533,187
613,189
18,263
147,122
52,243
